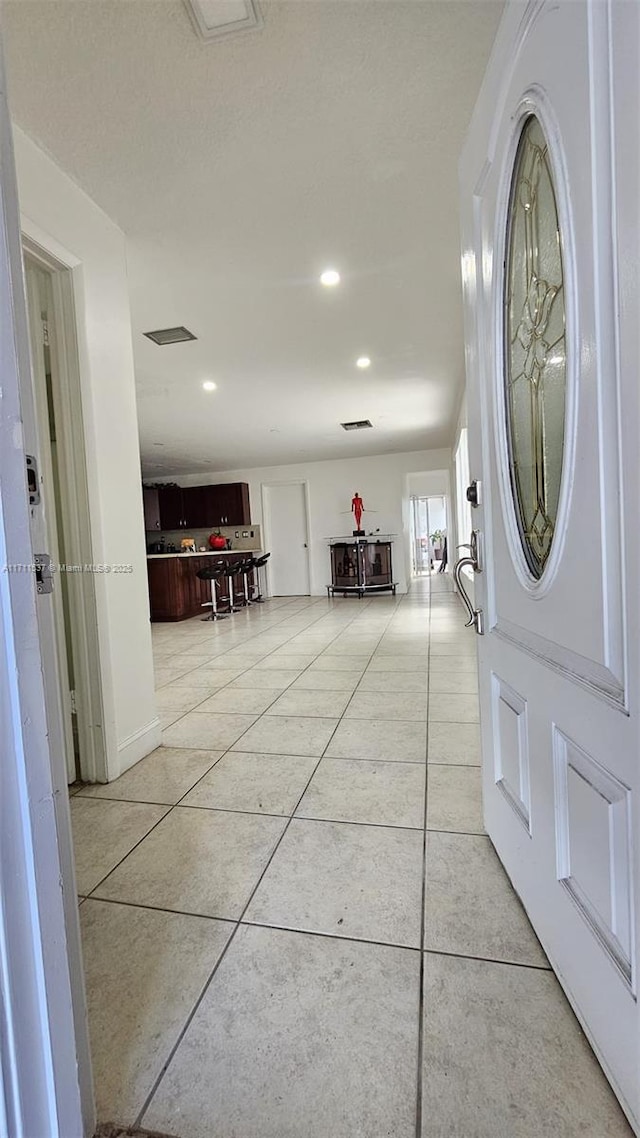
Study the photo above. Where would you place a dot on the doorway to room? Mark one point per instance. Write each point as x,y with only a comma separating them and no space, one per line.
429,550
286,535
59,522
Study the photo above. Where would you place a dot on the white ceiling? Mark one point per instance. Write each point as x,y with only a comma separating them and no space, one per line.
242,167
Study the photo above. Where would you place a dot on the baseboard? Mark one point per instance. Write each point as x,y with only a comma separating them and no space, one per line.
139,744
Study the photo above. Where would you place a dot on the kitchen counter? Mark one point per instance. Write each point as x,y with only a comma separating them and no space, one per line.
175,590
207,553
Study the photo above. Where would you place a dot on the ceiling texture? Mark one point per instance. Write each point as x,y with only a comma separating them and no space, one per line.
241,167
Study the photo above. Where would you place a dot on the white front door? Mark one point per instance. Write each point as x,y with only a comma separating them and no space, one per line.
549,182
286,530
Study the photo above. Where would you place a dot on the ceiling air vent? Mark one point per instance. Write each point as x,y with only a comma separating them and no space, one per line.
357,425
214,18
170,336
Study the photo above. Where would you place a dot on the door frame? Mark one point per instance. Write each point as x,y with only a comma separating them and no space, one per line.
74,511
44,1053
266,521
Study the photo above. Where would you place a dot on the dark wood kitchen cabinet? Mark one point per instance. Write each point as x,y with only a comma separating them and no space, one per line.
234,504
202,507
151,506
176,593
171,507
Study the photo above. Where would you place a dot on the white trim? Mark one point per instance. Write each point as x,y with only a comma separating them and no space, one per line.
45,1067
139,744
74,507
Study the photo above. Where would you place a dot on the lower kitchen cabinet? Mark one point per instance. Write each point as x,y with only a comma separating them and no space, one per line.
175,592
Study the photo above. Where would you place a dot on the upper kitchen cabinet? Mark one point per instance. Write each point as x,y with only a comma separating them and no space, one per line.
201,507
151,506
171,507
233,498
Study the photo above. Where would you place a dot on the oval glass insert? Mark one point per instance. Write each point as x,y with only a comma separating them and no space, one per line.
535,359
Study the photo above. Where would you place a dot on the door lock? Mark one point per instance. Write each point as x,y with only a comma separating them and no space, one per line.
474,493
32,480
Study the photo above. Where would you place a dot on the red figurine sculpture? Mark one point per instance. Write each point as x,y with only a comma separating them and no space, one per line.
357,506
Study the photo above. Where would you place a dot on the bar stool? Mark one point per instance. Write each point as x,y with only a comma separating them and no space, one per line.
232,570
258,564
247,567
212,573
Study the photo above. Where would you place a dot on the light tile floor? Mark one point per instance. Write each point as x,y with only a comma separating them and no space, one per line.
295,926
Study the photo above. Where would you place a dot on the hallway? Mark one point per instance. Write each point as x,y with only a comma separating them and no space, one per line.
293,924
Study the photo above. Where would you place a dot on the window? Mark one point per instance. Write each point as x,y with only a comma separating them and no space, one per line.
534,347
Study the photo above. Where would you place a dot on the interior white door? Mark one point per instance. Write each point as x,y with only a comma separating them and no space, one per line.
287,532
549,190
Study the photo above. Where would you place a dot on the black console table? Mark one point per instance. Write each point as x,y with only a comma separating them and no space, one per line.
361,565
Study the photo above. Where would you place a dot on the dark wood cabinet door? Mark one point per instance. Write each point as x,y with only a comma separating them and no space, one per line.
211,507
171,507
235,504
194,506
151,506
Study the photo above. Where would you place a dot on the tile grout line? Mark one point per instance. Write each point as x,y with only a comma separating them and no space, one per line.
424,894
229,749
172,807
244,672
272,814
245,923
166,1064
223,687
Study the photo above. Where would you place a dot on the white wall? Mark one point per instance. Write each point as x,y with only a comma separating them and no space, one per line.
63,220
380,480
429,483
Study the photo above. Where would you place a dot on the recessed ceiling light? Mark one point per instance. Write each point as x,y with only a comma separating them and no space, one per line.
363,361
209,385
330,277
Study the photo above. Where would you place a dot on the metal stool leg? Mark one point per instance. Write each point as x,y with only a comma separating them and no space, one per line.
259,599
215,615
232,606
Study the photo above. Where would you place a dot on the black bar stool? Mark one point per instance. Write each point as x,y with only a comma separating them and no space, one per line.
212,573
258,564
233,570
247,567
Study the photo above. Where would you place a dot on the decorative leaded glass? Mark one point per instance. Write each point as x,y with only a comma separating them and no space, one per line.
535,362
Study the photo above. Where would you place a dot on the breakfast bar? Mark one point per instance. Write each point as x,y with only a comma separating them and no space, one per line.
175,590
